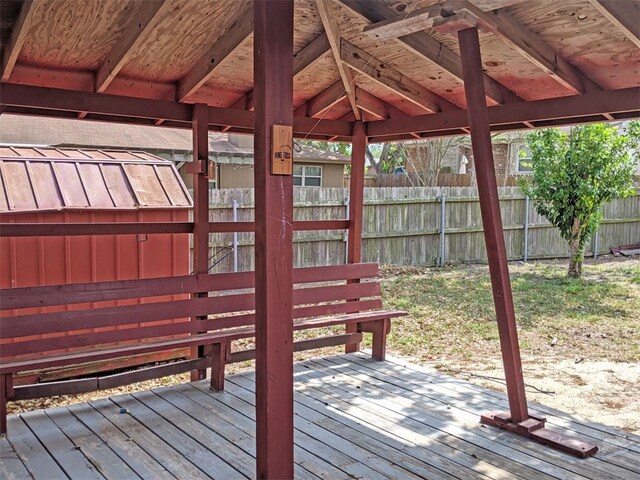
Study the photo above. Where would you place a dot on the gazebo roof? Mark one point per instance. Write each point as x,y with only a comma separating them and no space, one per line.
195,51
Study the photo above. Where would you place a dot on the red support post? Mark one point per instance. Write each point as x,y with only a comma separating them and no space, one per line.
200,207
273,79
356,202
517,420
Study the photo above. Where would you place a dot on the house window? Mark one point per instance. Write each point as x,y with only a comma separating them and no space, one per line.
307,175
523,158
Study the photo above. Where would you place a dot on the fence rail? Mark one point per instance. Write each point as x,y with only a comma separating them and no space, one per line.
403,226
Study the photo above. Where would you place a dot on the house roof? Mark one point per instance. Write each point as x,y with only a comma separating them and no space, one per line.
45,178
20,130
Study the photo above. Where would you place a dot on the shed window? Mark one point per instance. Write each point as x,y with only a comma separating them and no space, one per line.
307,175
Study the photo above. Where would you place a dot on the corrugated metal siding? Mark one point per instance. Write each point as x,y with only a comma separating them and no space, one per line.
40,179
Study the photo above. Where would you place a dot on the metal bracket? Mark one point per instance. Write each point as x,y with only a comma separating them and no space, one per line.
534,428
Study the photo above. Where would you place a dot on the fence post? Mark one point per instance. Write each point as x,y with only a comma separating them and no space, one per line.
596,241
346,232
235,237
525,254
443,226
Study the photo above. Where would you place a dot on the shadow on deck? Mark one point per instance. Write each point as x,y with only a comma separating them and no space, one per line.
355,418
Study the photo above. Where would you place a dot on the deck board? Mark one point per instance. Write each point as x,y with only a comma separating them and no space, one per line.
354,418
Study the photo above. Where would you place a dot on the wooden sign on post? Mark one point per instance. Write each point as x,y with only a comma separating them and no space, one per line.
281,150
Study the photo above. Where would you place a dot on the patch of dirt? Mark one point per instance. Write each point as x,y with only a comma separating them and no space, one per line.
599,391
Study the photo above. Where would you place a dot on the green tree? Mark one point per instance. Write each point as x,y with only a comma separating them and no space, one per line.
575,173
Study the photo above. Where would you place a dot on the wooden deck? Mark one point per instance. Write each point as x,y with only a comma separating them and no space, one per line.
355,418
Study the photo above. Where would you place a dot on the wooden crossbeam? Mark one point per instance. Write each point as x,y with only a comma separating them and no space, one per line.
392,79
378,108
333,35
424,45
530,45
306,57
144,19
323,101
18,36
235,36
623,14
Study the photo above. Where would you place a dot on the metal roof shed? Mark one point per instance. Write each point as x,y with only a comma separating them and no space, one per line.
66,186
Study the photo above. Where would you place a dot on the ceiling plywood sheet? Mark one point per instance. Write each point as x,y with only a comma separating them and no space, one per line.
74,35
94,185
18,187
146,184
307,23
118,185
580,34
315,79
44,185
234,76
179,41
385,94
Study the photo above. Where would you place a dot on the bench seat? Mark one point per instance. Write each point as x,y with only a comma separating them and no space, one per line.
45,340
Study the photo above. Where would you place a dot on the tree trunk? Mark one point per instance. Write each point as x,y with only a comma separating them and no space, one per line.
575,251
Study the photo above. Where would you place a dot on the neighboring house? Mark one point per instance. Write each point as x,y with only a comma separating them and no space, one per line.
232,154
455,158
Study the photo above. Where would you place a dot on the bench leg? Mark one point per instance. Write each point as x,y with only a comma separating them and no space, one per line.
6,391
219,354
380,329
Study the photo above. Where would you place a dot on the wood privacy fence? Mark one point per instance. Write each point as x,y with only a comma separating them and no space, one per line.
403,226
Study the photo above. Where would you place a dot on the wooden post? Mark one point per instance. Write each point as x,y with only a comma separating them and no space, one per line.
273,92
491,220
356,202
200,207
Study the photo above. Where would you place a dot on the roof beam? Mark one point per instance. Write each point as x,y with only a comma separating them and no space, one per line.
428,47
392,79
18,36
304,58
323,101
378,108
624,14
237,33
52,102
333,35
144,19
562,111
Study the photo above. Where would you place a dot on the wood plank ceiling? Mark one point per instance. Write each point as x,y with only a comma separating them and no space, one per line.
354,58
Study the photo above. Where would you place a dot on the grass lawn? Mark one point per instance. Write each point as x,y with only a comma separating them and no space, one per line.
451,311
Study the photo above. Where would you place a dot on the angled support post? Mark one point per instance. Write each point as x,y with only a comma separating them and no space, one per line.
517,420
356,203
200,209
273,93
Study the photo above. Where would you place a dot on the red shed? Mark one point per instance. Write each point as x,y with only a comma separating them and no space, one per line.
52,185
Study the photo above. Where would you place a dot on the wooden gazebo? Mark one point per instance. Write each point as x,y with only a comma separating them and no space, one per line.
339,70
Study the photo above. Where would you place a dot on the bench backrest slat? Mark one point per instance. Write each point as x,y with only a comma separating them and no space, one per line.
51,295
71,329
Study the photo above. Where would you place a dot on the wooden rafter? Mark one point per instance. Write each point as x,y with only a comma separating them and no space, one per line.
392,79
624,14
333,35
424,45
378,108
237,33
145,18
18,36
306,57
323,101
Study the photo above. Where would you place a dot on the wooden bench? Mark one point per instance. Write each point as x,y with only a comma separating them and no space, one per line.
323,297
